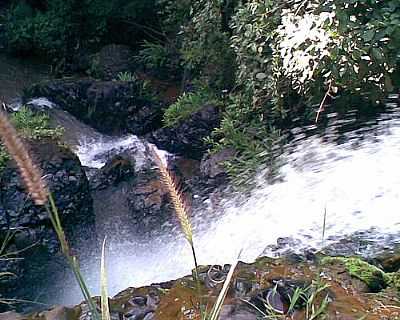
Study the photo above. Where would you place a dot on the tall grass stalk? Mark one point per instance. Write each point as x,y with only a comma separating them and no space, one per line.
72,260
324,229
180,206
181,210
216,310
105,308
32,177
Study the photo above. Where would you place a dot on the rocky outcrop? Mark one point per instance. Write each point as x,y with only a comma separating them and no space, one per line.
187,137
127,201
111,107
266,288
29,224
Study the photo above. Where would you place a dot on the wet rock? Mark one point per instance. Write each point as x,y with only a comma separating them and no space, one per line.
373,277
212,165
187,137
111,60
11,315
387,261
138,200
60,313
237,312
68,183
111,107
30,225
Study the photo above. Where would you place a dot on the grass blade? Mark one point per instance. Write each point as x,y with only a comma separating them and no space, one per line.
105,309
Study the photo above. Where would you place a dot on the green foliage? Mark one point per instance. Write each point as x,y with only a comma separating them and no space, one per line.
34,125
161,60
64,26
306,48
205,45
126,76
30,125
314,298
4,157
257,144
187,104
42,33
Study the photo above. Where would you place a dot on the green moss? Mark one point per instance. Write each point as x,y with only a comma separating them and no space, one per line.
372,276
394,279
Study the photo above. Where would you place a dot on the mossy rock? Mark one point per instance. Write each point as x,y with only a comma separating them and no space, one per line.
394,280
372,276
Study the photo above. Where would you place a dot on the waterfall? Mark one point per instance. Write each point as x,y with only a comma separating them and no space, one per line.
356,181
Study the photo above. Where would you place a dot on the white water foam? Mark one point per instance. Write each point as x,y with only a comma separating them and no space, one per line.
357,183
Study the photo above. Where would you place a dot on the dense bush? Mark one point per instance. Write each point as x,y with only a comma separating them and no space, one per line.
58,27
295,55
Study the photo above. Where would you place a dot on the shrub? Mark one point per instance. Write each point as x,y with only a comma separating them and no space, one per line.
34,125
30,125
63,26
161,60
187,104
205,46
126,76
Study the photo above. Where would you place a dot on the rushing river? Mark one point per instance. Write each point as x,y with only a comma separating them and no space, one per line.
347,170
352,174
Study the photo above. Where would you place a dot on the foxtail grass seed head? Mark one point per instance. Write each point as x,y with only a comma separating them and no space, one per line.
31,175
181,209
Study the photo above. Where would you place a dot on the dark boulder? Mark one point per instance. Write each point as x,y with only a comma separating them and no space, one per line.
111,60
33,235
128,201
111,107
187,138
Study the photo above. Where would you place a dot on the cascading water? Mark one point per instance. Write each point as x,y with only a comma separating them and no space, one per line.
357,182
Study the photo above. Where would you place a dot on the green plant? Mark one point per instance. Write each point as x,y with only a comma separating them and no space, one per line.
309,298
187,104
34,125
4,157
257,144
160,59
126,76
30,125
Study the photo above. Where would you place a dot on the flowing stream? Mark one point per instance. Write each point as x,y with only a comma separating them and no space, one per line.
348,171
356,181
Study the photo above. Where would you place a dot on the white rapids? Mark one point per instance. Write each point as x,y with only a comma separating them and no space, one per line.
358,183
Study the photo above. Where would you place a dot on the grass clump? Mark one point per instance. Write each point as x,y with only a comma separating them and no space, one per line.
30,125
34,125
187,104
372,276
314,299
126,76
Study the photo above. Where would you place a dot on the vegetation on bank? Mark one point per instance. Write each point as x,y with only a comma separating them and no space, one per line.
32,126
265,61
